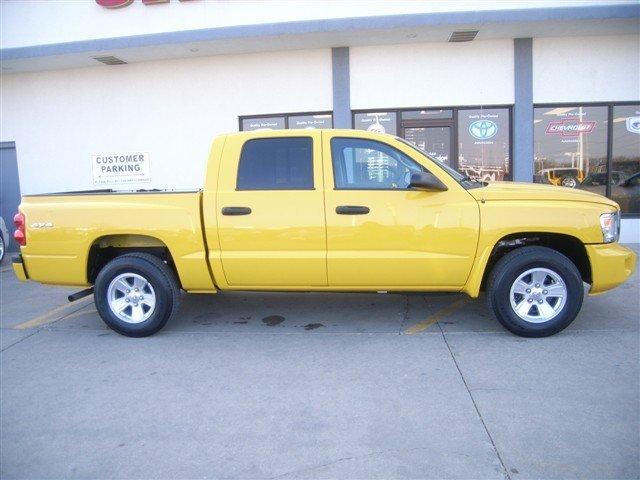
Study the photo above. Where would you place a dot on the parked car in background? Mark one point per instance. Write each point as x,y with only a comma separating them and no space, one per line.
4,238
627,193
327,210
564,177
600,179
625,189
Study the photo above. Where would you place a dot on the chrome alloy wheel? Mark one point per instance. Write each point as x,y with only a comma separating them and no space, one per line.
538,295
131,298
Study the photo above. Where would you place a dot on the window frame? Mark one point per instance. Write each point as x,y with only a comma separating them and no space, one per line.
313,183
609,149
285,115
452,122
333,170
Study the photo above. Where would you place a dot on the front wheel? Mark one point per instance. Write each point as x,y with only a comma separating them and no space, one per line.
136,294
535,291
2,247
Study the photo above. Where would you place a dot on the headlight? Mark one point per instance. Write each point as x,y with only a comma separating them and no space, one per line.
610,224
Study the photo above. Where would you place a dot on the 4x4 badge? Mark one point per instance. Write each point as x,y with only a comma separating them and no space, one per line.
41,225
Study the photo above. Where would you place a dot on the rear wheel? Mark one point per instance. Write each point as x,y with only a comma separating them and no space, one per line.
136,294
535,291
2,247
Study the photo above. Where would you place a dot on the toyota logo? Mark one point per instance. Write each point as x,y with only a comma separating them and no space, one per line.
483,129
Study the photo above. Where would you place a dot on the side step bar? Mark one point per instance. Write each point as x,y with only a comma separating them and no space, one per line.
81,294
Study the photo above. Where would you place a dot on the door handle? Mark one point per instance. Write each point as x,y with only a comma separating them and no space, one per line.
351,210
236,211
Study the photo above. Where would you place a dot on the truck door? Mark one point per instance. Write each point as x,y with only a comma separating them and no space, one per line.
381,233
270,210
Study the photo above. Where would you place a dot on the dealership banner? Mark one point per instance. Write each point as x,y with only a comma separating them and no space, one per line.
120,168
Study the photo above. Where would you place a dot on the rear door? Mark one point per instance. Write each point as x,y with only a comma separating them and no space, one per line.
270,211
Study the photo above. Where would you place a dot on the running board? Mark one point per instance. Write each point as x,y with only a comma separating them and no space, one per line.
81,294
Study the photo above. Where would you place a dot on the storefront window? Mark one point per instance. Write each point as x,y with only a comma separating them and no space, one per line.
570,147
379,122
483,143
263,123
625,171
277,122
310,121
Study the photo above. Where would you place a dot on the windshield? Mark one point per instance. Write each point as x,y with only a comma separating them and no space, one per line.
457,176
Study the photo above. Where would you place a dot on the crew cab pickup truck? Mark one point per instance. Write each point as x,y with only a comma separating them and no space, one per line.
327,210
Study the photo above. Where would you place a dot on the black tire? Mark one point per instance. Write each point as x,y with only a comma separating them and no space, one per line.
509,268
158,275
3,247
569,181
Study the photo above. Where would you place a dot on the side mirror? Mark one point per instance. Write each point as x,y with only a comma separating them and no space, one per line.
426,181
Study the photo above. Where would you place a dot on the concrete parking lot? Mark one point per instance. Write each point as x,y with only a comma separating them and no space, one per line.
317,386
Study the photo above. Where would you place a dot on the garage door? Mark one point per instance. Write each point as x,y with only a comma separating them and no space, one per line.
9,187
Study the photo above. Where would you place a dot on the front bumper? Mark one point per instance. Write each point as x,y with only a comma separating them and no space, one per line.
611,265
18,268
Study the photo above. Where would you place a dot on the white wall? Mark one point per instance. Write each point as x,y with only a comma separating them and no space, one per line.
630,230
37,22
171,109
586,69
432,74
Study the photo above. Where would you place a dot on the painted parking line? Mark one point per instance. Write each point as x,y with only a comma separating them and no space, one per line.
439,315
56,314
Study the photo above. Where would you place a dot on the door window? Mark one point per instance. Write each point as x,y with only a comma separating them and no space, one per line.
370,165
276,164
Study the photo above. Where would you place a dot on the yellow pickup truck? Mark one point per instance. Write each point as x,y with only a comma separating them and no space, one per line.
326,210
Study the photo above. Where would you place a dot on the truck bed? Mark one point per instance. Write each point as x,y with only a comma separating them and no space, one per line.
63,230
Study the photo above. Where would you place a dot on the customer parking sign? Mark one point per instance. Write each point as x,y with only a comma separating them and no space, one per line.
120,168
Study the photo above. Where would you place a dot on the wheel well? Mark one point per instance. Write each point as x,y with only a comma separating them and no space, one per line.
569,246
105,249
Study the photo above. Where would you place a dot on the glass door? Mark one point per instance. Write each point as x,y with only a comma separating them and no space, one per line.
434,141
431,130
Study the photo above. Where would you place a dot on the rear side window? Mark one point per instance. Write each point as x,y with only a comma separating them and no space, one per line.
276,164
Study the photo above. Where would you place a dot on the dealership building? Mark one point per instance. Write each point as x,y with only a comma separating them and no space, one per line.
529,91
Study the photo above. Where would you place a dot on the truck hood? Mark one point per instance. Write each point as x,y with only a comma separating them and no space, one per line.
534,191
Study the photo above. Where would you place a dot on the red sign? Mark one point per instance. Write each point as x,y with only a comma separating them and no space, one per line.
113,3
126,3
569,127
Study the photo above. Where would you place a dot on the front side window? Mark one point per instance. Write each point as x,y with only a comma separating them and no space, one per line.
370,165
483,143
276,164
570,147
625,170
